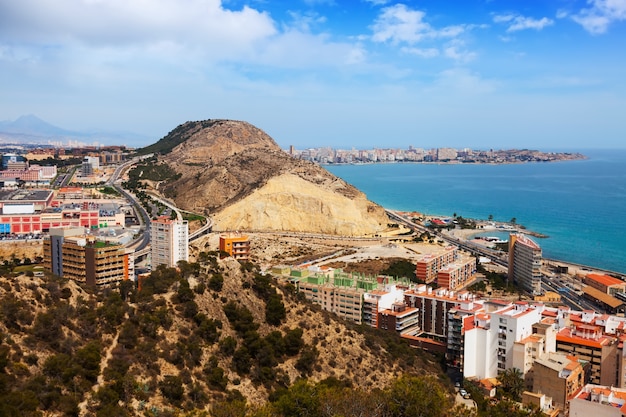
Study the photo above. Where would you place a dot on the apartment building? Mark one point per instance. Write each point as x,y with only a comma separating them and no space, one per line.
169,241
587,341
433,307
490,337
458,274
400,319
236,245
558,376
70,253
428,266
334,294
598,401
525,260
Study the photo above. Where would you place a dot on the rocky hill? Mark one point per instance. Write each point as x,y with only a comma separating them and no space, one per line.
236,173
214,334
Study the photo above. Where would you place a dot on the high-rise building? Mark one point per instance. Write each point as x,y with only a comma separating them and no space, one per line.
70,253
169,241
525,263
490,339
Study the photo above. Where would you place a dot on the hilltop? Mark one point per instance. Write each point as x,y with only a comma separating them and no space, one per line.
237,173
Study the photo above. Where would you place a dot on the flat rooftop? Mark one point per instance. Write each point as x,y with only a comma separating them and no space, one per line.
24,196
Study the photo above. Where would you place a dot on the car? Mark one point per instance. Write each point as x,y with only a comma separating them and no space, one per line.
457,384
462,392
467,396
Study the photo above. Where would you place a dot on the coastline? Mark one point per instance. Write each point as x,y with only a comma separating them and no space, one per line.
574,269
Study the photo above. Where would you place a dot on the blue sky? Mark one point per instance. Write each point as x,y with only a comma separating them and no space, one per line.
547,74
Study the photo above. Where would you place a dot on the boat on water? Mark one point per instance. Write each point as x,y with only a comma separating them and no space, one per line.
492,239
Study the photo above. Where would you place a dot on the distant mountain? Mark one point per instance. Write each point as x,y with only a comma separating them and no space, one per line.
30,129
33,125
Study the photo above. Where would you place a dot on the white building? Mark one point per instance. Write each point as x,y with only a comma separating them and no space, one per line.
169,240
598,401
490,337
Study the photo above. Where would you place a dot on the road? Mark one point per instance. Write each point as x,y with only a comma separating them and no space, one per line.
568,297
144,220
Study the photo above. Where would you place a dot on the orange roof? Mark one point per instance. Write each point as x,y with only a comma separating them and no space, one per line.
565,335
605,279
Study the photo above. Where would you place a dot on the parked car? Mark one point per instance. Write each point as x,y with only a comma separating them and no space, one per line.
463,393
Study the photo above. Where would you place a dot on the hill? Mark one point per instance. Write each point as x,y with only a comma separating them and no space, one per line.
236,173
214,333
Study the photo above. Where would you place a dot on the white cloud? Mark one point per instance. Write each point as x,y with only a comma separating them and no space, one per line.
457,54
421,52
518,22
400,24
562,14
115,22
597,18
192,35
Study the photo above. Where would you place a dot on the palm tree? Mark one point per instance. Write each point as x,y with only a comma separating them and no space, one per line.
512,383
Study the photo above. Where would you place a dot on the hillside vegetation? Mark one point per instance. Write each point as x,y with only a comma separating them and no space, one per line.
214,333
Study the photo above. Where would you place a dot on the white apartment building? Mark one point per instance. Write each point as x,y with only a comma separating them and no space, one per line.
169,240
490,337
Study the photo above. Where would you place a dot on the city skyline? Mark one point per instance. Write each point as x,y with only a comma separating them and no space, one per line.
484,74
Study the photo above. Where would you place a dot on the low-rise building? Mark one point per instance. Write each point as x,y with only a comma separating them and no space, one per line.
558,376
605,283
236,245
598,401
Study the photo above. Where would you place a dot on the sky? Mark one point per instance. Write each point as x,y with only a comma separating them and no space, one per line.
547,74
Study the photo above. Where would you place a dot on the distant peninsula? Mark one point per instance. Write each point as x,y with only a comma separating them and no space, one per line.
436,155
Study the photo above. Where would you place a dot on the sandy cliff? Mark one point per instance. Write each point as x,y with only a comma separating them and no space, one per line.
236,173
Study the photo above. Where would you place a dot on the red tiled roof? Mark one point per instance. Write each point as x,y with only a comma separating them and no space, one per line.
605,279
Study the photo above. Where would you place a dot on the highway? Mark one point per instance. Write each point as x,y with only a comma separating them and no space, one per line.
142,243
568,297
144,220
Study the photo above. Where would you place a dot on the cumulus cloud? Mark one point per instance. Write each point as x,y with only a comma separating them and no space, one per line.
597,18
399,24
189,34
518,22
115,22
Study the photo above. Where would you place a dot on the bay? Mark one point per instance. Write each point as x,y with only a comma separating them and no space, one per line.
579,205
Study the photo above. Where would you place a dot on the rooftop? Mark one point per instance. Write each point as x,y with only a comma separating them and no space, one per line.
24,196
605,279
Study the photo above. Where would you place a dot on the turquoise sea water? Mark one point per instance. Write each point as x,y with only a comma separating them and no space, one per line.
580,205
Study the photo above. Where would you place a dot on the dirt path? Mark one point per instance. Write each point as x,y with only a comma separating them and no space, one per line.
104,362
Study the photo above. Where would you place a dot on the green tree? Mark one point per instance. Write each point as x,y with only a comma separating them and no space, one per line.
511,384
172,388
418,396
275,311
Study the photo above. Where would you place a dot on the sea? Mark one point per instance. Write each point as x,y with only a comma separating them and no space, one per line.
579,205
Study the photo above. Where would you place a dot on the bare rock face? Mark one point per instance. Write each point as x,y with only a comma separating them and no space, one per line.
236,173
